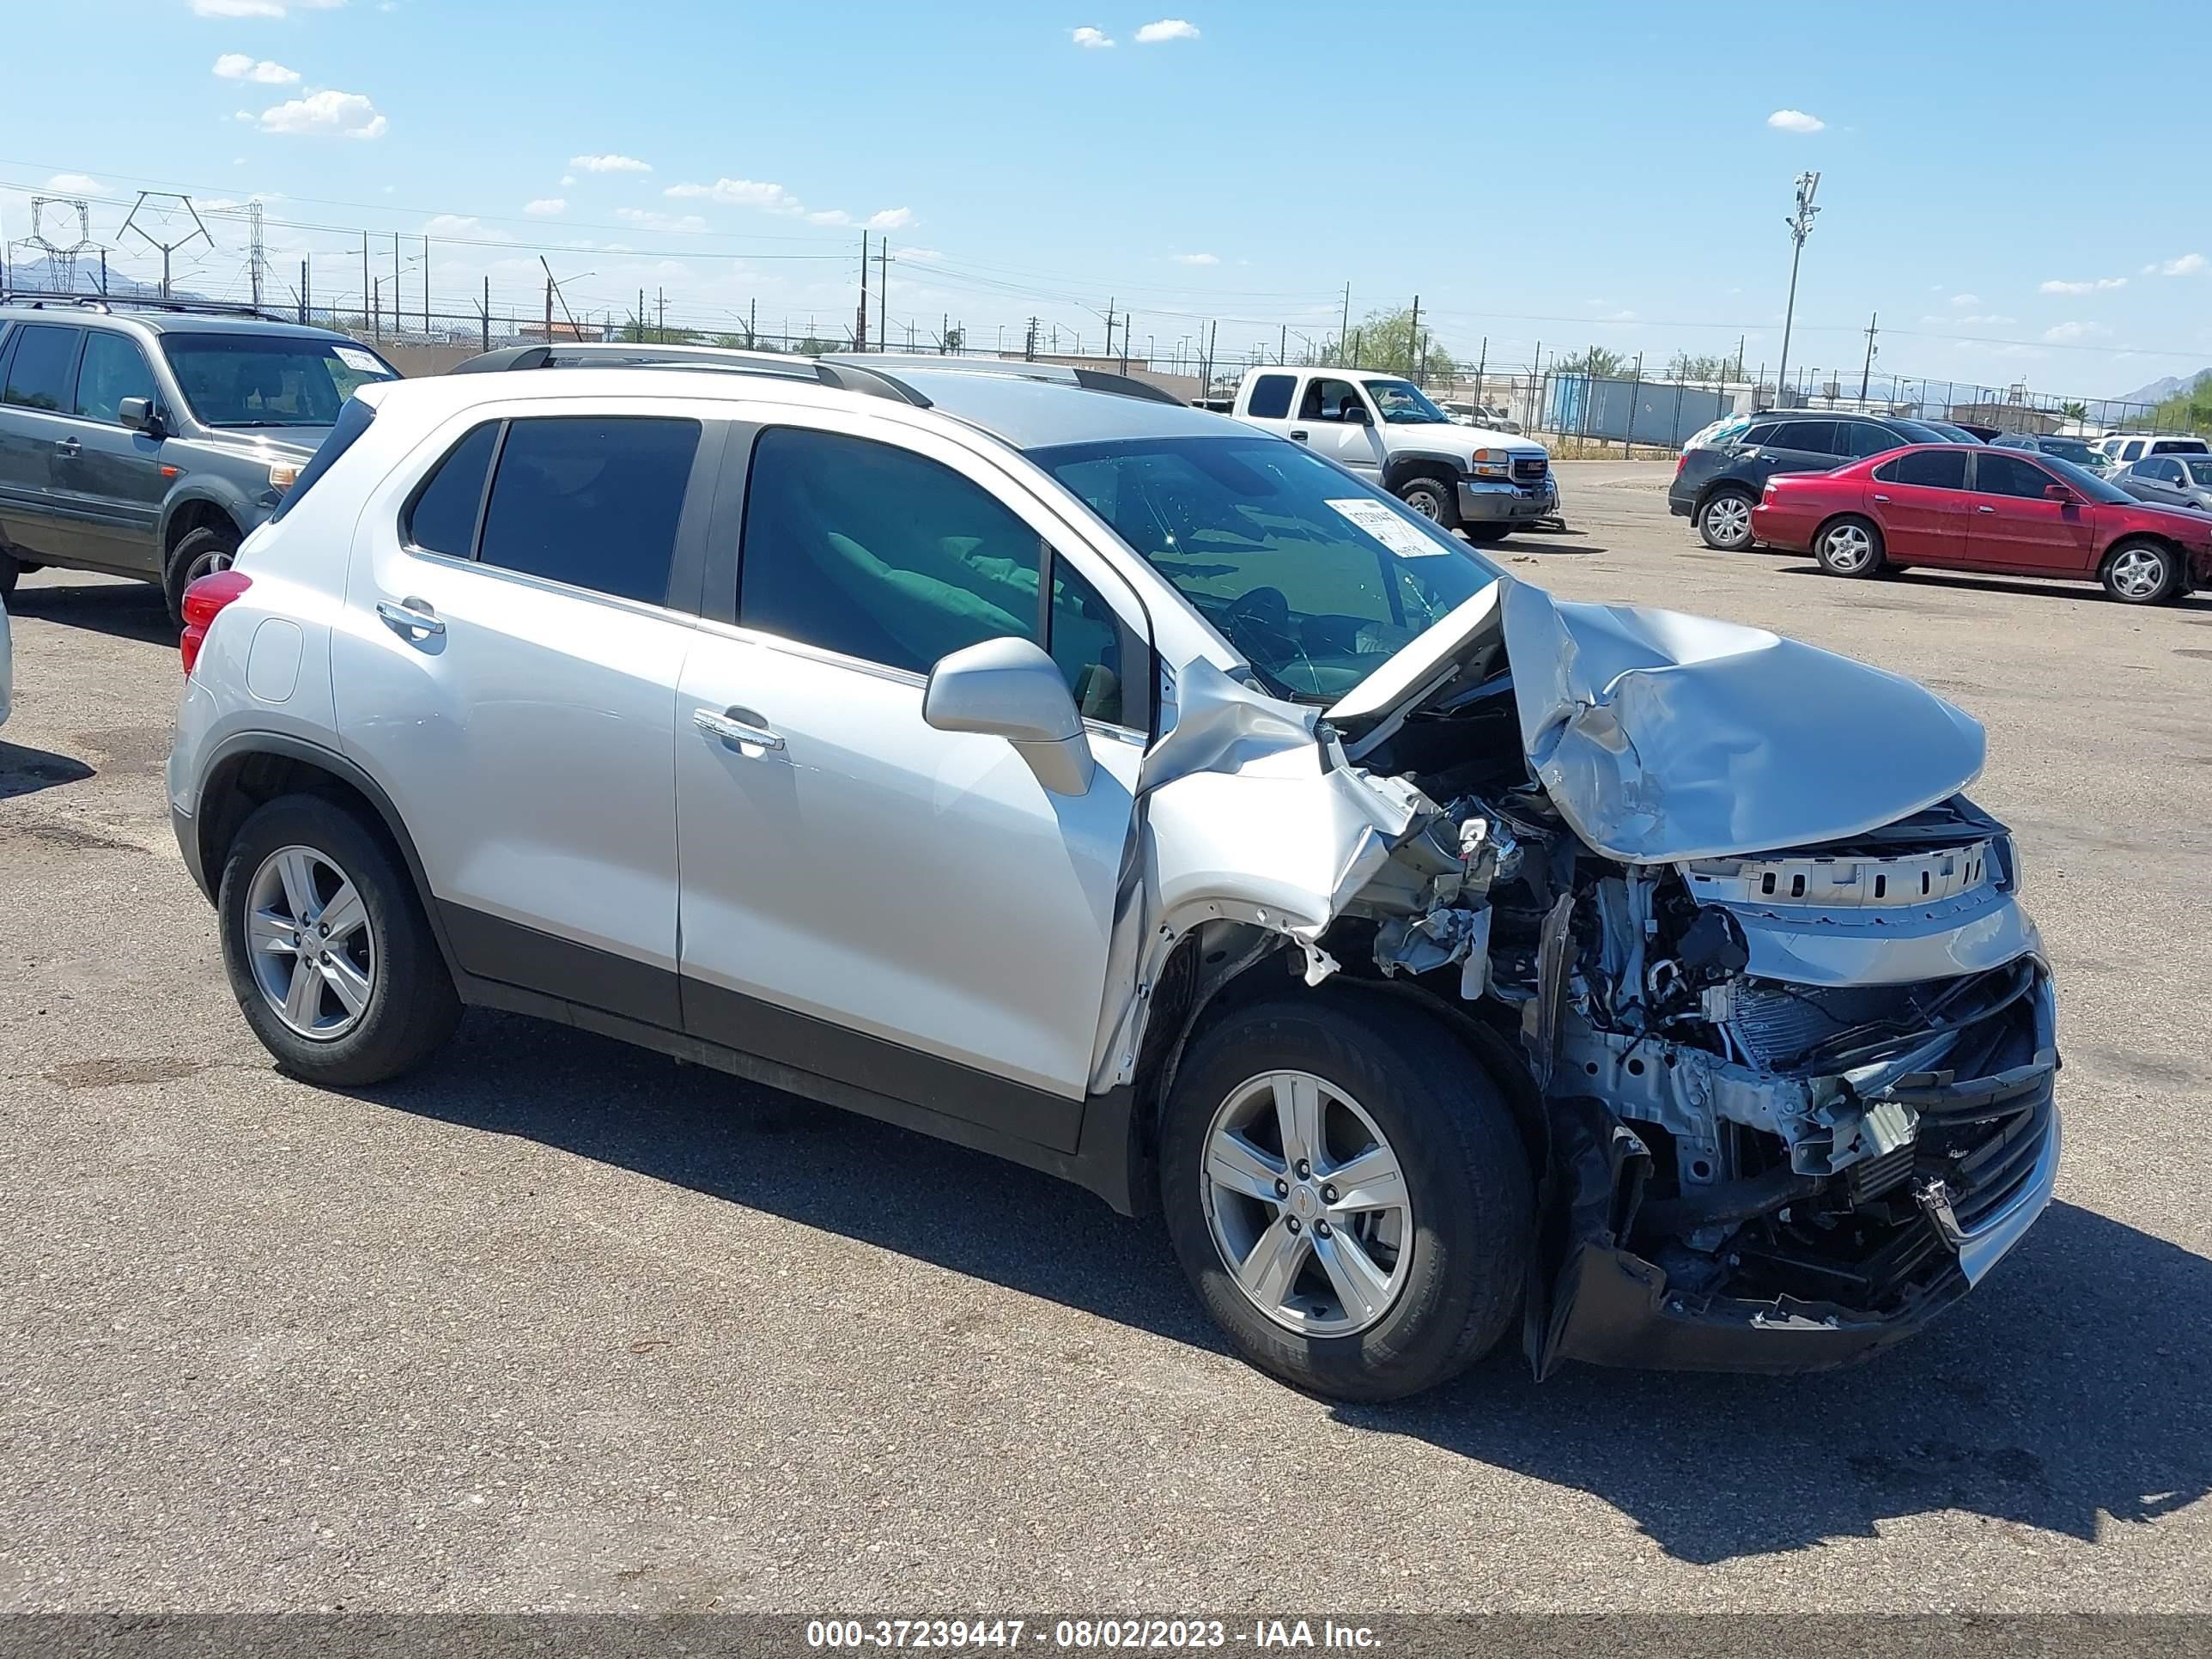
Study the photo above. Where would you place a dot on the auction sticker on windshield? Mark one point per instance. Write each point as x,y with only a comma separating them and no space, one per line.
359,360
1388,528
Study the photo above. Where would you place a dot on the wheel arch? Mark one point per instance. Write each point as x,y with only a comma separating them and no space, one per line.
255,768
2172,549
197,507
1399,470
1722,485
1880,541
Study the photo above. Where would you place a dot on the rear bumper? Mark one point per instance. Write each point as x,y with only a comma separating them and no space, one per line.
1791,531
1486,502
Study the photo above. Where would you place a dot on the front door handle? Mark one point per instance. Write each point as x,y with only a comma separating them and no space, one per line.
1300,436
1984,509
410,617
728,728
67,445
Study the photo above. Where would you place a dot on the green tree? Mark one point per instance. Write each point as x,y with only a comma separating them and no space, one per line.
1384,340
955,338
811,347
2075,411
1597,362
1695,366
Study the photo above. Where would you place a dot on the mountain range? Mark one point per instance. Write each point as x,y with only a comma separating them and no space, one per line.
2158,391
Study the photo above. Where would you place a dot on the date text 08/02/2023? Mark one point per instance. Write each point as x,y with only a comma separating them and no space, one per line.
1086,1635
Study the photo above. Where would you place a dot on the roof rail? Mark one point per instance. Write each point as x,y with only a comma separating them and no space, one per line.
1091,379
591,354
41,299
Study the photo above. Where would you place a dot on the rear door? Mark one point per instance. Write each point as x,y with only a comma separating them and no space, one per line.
864,896
108,487
2014,527
36,427
1796,446
1920,501
505,666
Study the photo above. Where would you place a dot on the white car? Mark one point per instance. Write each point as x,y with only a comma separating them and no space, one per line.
1108,786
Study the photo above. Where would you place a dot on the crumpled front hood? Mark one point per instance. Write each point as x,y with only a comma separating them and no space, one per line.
1662,736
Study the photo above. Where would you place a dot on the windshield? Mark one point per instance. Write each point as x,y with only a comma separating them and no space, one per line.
2068,449
269,379
1944,431
1315,578
2096,488
2200,472
1403,404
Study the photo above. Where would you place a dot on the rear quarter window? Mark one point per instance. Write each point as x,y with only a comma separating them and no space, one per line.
1270,397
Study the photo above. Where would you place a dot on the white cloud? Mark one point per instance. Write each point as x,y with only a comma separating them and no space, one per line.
610,163
240,66
1795,120
1195,258
891,219
76,184
645,219
1091,39
739,192
2065,331
566,180
1965,298
2187,265
2091,286
545,207
1168,28
328,113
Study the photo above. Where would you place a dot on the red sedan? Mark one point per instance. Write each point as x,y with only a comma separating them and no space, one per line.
1961,506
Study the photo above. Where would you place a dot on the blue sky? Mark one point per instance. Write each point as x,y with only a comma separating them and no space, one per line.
2003,185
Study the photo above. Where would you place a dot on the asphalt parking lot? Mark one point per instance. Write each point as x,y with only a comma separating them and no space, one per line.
557,1324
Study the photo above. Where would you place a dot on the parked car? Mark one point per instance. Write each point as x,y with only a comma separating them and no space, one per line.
1384,429
1953,433
1717,480
2080,450
1492,415
1979,431
1138,796
2169,481
2122,447
1985,508
148,442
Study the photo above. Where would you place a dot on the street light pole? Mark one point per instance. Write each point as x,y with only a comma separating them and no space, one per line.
1801,227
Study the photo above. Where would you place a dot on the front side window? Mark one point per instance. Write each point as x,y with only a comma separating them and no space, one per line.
877,553
591,501
1403,403
1865,438
2164,470
2007,474
39,370
112,368
1315,579
1929,468
1270,397
1331,400
248,381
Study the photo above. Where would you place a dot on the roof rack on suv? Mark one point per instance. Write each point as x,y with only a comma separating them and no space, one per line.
39,300
1091,379
586,353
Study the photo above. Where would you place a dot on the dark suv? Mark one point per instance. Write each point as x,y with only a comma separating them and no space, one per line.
1717,482
149,443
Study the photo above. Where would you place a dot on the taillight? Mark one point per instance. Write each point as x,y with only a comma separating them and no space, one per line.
202,600
1681,461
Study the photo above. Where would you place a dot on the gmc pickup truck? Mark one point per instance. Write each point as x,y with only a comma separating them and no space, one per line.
1382,428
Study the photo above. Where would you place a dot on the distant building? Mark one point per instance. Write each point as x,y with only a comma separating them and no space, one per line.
2010,416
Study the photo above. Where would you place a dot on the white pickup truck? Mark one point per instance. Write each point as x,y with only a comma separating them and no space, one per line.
1382,428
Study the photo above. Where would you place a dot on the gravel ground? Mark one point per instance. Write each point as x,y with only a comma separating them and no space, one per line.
556,1324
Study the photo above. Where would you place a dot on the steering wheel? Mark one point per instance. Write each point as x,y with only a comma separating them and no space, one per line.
1263,612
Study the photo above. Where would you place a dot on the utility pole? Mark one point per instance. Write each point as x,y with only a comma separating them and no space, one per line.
1481,364
1866,371
1127,320
396,324
376,307
1283,345
426,286
660,314
1028,343
254,254
549,303
1739,339
364,280
884,295
307,299
487,315
1414,339
1801,227
1109,325
860,326
1343,333
131,223
944,333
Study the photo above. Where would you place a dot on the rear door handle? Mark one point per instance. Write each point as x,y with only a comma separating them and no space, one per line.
1884,499
68,445
1984,509
1299,435
410,617
728,728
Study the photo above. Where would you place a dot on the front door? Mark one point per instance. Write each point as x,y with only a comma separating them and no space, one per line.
1336,420
1920,501
510,683
35,429
108,487
2014,527
866,897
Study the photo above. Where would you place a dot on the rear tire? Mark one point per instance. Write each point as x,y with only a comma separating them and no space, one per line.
11,572
1433,498
380,998
1487,533
1849,546
1725,520
2141,573
1455,1250
200,553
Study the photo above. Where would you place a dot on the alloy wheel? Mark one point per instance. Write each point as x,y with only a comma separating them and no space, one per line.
1727,521
2138,573
312,953
215,559
1850,549
1308,1204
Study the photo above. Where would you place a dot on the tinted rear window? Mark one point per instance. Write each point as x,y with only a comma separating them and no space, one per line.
592,501
1270,397
39,371
1931,469
444,517
1812,437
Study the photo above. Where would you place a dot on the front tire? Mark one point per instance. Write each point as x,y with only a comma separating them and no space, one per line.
1433,498
1850,547
1486,532
2141,573
326,946
200,553
1725,520
1347,1192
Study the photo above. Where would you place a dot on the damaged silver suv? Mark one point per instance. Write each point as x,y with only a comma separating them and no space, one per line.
1111,786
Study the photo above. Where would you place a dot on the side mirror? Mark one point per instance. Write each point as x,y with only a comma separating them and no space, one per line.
1008,689
2058,492
1358,415
137,414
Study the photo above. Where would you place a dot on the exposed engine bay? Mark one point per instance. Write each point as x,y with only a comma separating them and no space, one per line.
1804,1087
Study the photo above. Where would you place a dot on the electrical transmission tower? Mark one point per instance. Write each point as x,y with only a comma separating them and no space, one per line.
257,258
167,213
61,256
